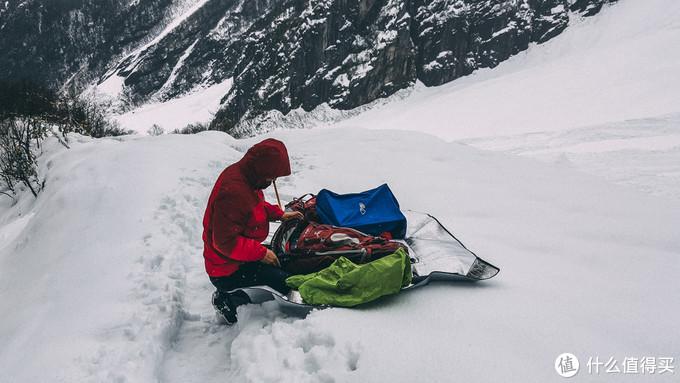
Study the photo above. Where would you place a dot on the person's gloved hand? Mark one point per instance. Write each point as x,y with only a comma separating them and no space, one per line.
291,215
271,259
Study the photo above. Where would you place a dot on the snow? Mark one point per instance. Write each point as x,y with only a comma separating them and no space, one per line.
11,230
511,26
111,87
557,9
342,80
444,54
102,279
641,153
615,66
176,113
432,65
173,75
105,281
183,12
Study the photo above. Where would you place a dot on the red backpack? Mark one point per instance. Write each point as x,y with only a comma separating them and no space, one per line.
304,247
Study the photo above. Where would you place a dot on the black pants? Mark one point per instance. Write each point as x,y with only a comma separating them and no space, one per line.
249,274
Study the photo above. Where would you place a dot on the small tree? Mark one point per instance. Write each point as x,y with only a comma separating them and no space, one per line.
155,130
87,117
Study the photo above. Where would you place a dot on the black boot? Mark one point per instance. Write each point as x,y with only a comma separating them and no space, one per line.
225,311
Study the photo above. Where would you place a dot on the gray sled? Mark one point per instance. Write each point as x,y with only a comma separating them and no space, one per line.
436,255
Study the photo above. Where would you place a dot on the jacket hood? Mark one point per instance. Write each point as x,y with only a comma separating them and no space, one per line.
265,160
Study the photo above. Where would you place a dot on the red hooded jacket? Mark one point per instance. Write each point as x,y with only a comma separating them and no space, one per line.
236,220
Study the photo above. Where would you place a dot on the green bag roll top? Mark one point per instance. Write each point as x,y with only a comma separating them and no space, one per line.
346,284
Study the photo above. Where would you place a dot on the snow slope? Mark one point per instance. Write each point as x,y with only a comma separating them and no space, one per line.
102,278
620,64
644,153
196,107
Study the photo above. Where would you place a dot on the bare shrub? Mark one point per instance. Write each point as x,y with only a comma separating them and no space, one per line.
192,128
29,113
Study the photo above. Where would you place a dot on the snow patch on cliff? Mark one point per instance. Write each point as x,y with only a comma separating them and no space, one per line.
176,113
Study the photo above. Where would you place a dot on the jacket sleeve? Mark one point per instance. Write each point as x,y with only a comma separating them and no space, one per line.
274,212
229,220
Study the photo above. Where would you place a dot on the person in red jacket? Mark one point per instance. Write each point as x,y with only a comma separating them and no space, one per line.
235,223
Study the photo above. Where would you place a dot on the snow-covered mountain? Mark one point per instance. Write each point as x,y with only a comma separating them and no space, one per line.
277,55
560,165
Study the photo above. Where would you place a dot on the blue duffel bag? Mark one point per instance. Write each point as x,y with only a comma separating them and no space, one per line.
373,212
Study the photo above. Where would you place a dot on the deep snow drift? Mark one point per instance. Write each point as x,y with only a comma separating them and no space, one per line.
102,276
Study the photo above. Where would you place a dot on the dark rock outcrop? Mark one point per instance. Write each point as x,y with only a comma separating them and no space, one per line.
347,53
51,41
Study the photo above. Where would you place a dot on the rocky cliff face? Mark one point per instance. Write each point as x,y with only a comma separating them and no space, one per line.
281,54
51,41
